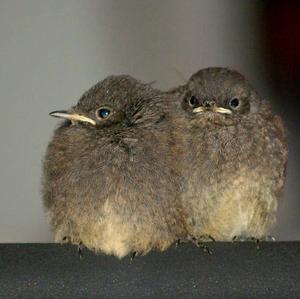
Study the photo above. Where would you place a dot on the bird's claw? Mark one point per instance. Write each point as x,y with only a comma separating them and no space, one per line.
133,256
206,238
178,242
79,250
65,239
201,244
253,239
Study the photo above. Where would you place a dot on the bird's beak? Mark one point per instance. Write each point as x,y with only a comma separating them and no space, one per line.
72,116
222,110
198,109
213,109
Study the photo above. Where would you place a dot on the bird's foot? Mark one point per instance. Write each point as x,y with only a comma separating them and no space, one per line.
65,239
79,250
178,242
133,256
206,238
200,243
263,239
257,241
240,238
181,241
205,249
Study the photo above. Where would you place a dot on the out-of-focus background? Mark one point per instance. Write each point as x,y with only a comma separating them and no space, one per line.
52,51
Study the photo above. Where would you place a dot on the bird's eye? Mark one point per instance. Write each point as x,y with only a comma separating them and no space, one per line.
103,113
234,103
193,101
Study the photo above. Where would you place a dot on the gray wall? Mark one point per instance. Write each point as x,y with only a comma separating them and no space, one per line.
52,51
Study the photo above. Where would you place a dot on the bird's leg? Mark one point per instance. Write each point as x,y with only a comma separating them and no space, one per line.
240,238
181,241
243,238
253,239
262,239
79,250
203,239
205,248
207,238
178,242
65,239
200,244
133,256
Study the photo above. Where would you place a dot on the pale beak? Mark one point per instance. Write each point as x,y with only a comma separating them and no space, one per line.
198,109
213,109
72,117
222,110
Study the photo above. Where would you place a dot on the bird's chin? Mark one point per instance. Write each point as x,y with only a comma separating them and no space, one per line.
209,118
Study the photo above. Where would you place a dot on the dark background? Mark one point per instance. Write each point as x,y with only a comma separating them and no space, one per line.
52,51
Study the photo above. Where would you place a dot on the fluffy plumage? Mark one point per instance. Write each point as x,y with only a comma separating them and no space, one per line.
111,183
235,158
133,169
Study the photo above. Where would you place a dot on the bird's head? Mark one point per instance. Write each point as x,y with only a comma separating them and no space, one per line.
116,103
218,96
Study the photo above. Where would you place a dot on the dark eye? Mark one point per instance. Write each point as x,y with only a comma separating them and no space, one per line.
234,103
103,113
193,101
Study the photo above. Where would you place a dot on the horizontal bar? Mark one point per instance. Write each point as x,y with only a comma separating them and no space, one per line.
232,270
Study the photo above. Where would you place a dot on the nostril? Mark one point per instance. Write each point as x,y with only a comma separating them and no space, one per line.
208,103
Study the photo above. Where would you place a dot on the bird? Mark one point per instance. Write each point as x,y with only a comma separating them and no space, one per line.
234,163
110,182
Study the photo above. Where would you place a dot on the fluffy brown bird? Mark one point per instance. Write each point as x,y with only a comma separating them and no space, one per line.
236,156
110,180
